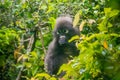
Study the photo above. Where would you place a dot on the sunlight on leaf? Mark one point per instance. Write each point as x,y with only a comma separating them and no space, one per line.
82,25
107,10
52,21
109,24
32,78
110,13
50,8
34,54
18,22
43,75
102,25
76,20
74,38
24,5
53,78
91,21
27,64
68,69
114,13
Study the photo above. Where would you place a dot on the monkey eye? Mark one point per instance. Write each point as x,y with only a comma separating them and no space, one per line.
66,31
62,31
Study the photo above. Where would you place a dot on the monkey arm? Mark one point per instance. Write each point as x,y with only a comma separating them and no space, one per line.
51,57
54,58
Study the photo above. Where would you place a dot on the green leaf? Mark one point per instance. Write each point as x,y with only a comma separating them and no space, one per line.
34,54
52,21
107,10
43,75
109,24
53,78
117,76
2,60
114,13
69,70
27,64
110,13
50,8
102,25
34,70
74,38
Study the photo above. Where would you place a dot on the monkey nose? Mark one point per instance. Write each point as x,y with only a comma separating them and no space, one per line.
62,40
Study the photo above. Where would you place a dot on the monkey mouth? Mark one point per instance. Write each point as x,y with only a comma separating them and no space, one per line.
62,40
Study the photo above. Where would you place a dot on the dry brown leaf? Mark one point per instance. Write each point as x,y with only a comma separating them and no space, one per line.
91,21
82,25
20,58
76,19
105,44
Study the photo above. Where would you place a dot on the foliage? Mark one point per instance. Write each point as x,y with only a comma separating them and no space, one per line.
25,32
99,51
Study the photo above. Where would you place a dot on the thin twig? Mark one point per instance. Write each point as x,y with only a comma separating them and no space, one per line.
19,74
28,51
41,39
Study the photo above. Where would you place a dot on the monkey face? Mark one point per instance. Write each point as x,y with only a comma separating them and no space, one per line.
63,34
64,30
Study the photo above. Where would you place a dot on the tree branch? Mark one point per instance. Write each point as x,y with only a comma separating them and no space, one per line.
29,47
41,38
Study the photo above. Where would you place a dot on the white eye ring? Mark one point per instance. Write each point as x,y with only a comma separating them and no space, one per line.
66,31
58,32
